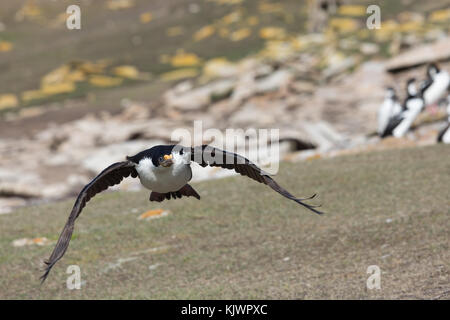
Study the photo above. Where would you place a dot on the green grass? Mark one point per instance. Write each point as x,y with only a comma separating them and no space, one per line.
233,243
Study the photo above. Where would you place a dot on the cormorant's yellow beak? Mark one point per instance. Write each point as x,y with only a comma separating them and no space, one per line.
167,162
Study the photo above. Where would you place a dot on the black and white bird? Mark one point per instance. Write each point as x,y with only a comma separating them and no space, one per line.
166,171
436,85
389,109
411,108
444,134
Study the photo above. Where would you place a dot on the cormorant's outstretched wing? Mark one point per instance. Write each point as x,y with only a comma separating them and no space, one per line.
112,175
209,156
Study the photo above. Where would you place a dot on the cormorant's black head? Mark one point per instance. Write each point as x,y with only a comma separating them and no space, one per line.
161,155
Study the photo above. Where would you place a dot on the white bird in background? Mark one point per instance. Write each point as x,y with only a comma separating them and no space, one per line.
411,107
390,108
436,85
414,104
444,135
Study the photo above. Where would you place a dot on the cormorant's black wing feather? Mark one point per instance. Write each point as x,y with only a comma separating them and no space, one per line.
112,175
209,156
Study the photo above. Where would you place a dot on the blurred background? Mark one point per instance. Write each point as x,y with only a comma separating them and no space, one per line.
74,101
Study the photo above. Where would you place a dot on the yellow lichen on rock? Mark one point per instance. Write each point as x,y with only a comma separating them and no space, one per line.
277,50
252,21
5,46
179,74
76,76
119,4
8,100
183,59
219,67
343,25
440,15
204,33
104,81
91,67
128,72
388,28
58,88
267,7
63,74
30,95
411,26
352,10
240,34
146,17
30,10
57,75
231,18
272,33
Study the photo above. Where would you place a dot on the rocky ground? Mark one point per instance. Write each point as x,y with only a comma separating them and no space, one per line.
321,90
314,121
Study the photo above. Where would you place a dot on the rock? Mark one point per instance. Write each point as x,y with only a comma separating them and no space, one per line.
20,184
55,190
244,89
199,98
340,67
133,111
27,242
7,205
369,48
183,87
267,114
220,67
324,135
273,82
221,90
420,55
302,87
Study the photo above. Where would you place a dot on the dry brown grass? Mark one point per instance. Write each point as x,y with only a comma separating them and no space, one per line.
242,240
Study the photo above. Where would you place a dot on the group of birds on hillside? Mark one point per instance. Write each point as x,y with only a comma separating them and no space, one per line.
396,118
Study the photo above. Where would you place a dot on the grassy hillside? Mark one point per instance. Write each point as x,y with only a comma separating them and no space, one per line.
242,240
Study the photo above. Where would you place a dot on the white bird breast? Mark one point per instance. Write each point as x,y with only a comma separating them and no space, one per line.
165,179
388,109
414,108
438,88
